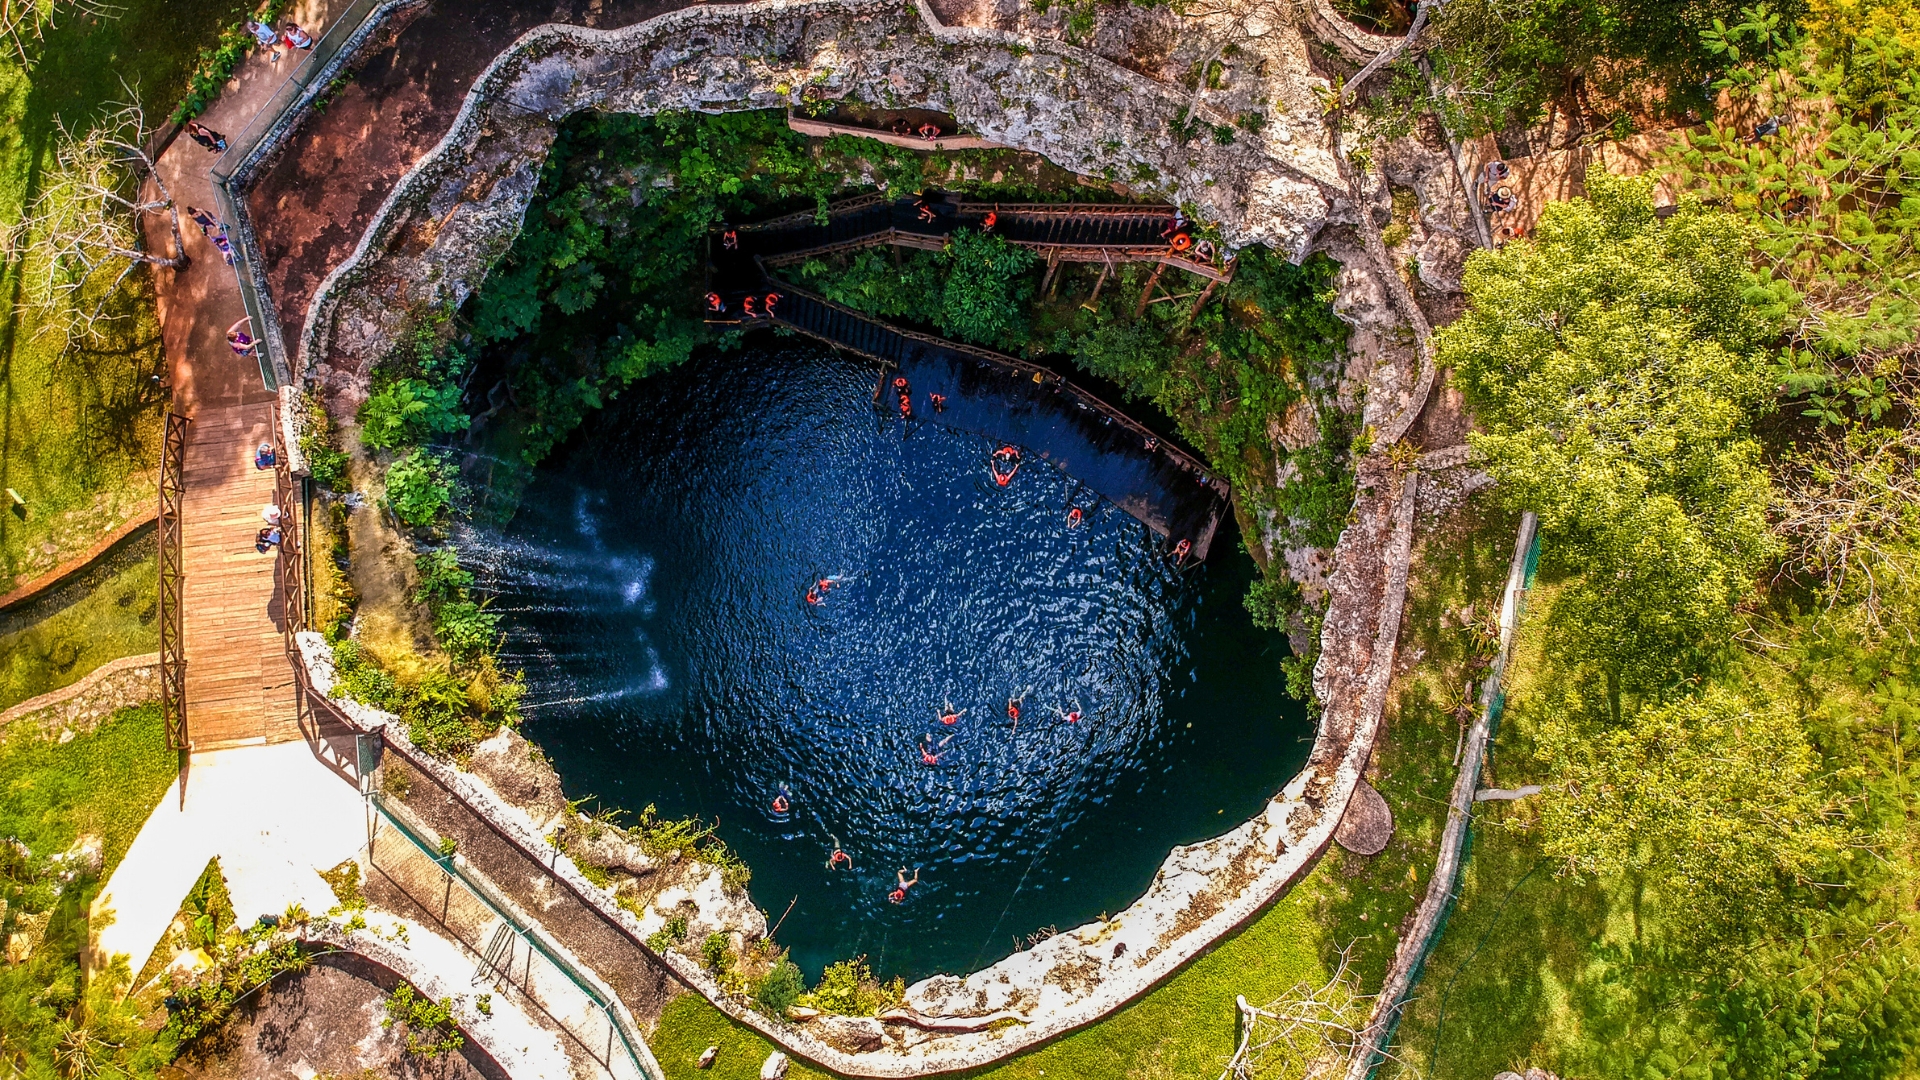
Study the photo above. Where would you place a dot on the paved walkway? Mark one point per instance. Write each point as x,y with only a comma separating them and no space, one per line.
272,814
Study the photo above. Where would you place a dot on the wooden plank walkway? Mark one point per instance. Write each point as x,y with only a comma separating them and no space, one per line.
239,685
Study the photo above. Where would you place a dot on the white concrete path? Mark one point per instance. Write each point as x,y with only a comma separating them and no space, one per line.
273,814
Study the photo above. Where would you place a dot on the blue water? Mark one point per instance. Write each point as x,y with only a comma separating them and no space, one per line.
654,586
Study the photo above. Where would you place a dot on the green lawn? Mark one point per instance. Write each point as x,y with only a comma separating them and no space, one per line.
79,430
1182,1029
58,640
104,783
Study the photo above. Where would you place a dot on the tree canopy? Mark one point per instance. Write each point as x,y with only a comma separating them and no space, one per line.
1616,366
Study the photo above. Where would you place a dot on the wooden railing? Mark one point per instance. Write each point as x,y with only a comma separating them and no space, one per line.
173,661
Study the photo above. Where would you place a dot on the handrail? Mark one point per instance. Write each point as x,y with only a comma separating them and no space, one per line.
528,931
173,662
322,64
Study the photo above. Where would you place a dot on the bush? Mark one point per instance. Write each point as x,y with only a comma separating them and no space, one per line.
717,952
778,989
673,933
419,486
848,988
429,1024
466,629
410,411
1272,601
986,293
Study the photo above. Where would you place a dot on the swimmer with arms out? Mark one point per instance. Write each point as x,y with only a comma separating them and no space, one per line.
927,748
839,857
948,716
900,894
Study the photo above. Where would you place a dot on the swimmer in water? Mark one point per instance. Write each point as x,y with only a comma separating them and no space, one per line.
813,596
938,401
1070,717
1181,549
900,894
1074,516
839,858
947,715
780,803
928,746
1013,707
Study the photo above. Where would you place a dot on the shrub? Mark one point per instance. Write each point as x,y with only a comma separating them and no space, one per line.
985,296
441,576
669,935
717,952
779,988
1272,600
848,988
419,486
429,1024
409,411
466,629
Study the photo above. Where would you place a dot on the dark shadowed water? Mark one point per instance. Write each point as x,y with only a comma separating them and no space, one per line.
654,584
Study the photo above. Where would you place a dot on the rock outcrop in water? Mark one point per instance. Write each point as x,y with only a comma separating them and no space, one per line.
1112,110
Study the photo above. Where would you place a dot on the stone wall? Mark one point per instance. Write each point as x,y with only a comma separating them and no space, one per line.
78,709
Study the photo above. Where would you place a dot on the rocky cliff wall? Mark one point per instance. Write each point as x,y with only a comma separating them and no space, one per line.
1017,84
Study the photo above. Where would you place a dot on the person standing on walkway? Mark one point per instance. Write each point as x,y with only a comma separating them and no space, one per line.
238,337
294,37
265,36
206,136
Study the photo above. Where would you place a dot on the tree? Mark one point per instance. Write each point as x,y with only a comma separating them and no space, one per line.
1718,799
1616,365
985,296
19,18
85,231
1834,197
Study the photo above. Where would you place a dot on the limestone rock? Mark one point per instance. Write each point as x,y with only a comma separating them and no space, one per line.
775,1067
1368,824
706,1058
851,1034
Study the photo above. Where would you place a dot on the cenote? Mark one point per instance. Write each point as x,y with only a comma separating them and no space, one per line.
654,583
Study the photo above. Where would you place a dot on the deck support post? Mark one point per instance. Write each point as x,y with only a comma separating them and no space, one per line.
1202,302
1146,294
1093,302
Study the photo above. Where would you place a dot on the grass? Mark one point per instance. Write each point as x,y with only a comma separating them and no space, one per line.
79,429
104,783
58,640
1183,1028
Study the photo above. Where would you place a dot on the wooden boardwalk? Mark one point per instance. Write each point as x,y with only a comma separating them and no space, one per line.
239,684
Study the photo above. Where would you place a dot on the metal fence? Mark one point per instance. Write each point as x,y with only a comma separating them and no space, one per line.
511,953
173,663
321,65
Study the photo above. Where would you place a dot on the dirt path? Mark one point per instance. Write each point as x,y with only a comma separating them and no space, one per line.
312,203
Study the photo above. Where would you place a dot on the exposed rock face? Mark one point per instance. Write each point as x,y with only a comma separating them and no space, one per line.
1100,112
456,214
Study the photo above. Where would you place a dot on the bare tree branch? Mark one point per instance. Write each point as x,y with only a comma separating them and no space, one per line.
21,18
84,233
